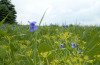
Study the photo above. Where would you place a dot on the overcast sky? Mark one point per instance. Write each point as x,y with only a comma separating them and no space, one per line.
87,12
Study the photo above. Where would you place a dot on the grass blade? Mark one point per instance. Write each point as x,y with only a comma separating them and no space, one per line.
42,17
5,18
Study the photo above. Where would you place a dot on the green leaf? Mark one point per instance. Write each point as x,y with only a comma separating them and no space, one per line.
46,48
39,59
2,53
35,48
90,41
30,61
12,47
93,47
24,59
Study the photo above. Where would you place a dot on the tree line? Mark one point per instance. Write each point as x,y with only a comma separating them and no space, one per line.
5,7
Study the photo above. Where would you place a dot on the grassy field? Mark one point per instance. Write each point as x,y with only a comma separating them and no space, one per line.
49,45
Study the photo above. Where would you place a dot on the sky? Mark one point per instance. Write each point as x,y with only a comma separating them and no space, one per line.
83,12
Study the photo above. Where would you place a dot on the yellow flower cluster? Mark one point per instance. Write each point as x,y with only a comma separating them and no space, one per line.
54,62
23,46
65,35
80,60
97,56
68,61
90,61
45,54
38,40
8,37
29,52
27,42
46,36
56,29
3,46
86,57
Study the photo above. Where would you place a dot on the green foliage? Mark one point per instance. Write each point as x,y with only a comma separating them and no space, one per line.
22,47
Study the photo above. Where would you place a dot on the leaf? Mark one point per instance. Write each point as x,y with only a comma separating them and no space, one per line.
24,59
46,48
30,61
12,47
90,41
39,59
2,53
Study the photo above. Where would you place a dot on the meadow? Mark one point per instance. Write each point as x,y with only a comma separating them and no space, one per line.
49,45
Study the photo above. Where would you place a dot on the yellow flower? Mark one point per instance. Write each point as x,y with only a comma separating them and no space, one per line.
56,29
90,61
98,56
39,40
67,61
45,54
80,59
56,61
95,56
86,57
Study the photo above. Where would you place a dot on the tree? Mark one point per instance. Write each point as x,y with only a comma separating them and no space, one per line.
5,8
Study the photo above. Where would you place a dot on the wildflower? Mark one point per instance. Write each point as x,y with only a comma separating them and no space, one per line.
3,27
32,26
3,40
80,59
79,51
24,27
67,61
19,27
77,38
61,45
67,26
73,45
84,27
63,25
86,57
14,25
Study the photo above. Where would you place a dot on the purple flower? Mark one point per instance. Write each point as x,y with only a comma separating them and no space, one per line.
73,45
67,26
32,26
19,27
84,27
77,38
24,27
61,45
63,25
79,51
3,27
14,25
3,40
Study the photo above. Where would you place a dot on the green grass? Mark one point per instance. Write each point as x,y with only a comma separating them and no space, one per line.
22,47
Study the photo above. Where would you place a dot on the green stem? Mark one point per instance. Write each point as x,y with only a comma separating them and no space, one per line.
3,61
47,61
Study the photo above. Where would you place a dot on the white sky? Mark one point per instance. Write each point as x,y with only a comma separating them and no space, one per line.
87,12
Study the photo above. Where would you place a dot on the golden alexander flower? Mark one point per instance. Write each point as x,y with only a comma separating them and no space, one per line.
80,59
67,61
98,56
90,61
86,57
